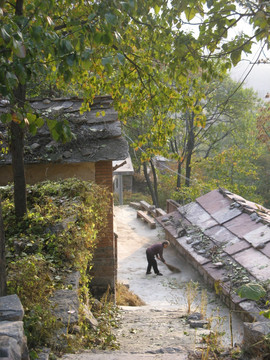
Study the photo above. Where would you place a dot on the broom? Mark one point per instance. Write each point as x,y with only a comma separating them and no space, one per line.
172,268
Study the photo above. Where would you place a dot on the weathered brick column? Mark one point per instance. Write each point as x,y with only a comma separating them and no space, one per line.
105,266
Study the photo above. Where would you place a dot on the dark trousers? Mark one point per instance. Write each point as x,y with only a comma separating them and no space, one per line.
151,262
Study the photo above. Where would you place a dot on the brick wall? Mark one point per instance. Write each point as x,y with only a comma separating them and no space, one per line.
105,264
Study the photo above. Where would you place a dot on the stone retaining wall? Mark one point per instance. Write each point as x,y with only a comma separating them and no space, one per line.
13,343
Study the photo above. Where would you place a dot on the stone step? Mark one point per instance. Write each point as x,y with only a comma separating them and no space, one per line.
115,355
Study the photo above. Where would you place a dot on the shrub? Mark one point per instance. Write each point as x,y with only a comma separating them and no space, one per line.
58,235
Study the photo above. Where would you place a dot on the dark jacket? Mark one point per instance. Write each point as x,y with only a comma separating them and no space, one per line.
156,249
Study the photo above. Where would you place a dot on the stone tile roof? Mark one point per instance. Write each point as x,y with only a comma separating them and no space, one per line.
97,133
226,237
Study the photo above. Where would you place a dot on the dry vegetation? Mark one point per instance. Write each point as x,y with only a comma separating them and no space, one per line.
125,297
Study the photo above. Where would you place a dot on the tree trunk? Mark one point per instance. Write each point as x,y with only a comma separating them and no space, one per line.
190,148
19,7
17,152
3,283
179,169
149,184
156,203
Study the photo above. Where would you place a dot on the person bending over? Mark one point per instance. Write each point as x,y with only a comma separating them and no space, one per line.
153,251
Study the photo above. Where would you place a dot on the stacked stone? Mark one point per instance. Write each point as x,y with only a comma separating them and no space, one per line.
13,343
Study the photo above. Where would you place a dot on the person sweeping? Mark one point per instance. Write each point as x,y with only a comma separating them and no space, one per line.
153,251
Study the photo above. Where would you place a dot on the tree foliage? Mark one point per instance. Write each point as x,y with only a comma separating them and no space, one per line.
140,52
263,125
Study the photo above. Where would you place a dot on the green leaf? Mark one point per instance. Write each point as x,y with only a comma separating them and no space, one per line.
121,58
70,59
51,123
86,54
190,13
66,46
20,73
37,32
40,121
35,122
6,118
252,291
5,35
236,57
106,38
111,18
107,60
19,48
31,117
157,9
97,37
91,17
55,135
265,313
32,129
11,78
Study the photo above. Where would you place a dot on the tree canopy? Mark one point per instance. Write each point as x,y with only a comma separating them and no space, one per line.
140,52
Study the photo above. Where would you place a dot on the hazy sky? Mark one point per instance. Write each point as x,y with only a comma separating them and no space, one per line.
259,77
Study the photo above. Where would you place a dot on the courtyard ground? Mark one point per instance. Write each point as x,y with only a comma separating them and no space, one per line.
168,292
159,330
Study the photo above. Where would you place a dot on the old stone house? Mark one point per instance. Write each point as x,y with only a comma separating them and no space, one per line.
88,156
